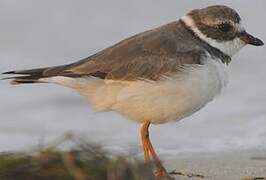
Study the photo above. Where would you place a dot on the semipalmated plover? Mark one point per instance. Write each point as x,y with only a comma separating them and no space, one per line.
161,75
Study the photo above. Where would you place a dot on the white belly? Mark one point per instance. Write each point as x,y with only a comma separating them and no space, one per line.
166,100
174,98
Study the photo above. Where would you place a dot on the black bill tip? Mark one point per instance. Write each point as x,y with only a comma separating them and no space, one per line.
249,39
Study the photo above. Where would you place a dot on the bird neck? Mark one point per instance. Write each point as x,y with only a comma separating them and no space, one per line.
213,51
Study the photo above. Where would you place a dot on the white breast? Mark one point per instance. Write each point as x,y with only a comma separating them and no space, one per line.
166,100
174,98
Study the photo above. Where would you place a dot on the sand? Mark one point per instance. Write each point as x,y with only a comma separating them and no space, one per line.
220,166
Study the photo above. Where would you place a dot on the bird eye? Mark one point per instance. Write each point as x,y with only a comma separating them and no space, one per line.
224,27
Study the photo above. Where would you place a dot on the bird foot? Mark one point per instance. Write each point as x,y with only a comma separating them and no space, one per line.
161,174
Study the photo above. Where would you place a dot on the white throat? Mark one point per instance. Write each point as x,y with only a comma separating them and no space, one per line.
227,47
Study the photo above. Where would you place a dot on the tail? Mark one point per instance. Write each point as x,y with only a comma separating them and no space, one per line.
32,75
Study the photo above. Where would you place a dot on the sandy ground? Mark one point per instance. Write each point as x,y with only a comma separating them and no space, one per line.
220,166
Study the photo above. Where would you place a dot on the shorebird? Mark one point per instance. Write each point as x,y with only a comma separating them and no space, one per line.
161,75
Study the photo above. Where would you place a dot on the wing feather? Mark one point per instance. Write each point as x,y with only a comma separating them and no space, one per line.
148,55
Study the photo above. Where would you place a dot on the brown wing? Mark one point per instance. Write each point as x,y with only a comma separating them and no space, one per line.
150,67
149,55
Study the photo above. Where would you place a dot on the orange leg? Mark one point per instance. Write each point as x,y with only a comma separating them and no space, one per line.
143,133
148,149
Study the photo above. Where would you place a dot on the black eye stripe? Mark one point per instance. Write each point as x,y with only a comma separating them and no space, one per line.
224,27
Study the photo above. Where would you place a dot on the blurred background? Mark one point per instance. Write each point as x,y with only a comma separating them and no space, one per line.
37,33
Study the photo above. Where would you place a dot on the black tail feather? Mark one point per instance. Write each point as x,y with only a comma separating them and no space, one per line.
34,75
9,72
32,72
26,76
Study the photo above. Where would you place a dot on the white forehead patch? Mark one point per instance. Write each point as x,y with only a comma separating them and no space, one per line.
227,47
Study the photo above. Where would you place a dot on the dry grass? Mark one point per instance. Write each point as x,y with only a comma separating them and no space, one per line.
83,162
